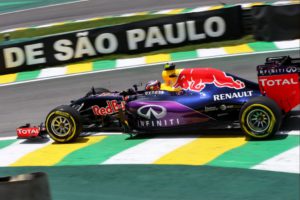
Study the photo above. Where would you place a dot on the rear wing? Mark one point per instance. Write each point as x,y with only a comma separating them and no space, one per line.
278,79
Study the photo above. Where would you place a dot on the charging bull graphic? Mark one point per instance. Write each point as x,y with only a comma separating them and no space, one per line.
196,79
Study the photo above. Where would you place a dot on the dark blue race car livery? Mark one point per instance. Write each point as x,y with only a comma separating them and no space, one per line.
192,98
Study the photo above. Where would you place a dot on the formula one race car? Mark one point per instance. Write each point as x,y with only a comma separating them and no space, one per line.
196,98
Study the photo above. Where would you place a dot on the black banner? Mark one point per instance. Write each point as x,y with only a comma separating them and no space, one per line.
136,37
273,23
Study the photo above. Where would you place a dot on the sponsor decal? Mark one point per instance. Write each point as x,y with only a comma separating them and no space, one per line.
197,79
108,94
28,132
159,123
210,109
233,95
222,114
153,115
150,111
278,70
111,108
277,82
222,107
154,92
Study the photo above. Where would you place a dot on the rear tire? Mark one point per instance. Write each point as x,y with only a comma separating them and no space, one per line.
260,118
63,124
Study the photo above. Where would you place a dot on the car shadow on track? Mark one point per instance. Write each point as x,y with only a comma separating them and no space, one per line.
47,139
35,141
213,134
290,123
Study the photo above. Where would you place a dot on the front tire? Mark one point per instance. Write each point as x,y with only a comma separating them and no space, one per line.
260,118
63,124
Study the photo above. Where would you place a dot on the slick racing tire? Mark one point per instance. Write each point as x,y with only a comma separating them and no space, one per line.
97,91
260,118
63,124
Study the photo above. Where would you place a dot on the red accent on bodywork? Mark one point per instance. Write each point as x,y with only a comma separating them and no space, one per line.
284,89
29,132
111,108
197,78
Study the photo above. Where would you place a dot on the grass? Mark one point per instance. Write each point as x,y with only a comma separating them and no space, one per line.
37,32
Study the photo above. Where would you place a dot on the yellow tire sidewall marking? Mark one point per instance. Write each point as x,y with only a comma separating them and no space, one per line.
56,138
272,120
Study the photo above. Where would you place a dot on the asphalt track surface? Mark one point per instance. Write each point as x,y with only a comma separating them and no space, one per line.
31,102
95,8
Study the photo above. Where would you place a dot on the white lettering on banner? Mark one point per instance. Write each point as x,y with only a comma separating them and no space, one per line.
32,52
154,36
169,32
14,57
234,95
186,31
277,82
191,29
65,51
111,40
31,55
134,36
220,26
84,47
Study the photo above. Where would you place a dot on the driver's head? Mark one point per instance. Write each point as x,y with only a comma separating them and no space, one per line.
152,85
169,66
169,74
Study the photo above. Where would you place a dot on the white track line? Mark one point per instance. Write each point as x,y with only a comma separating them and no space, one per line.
18,149
146,65
148,152
8,138
294,132
287,161
41,7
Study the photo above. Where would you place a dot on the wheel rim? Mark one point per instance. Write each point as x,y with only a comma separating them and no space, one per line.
258,120
61,126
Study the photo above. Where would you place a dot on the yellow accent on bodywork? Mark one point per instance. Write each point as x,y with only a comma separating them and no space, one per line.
216,7
169,82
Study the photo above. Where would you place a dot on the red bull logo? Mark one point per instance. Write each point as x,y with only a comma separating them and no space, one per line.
196,79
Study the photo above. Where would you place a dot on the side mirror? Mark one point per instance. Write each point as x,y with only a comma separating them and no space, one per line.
135,87
93,91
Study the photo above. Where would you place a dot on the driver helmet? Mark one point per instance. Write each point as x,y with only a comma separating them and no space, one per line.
153,85
169,66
